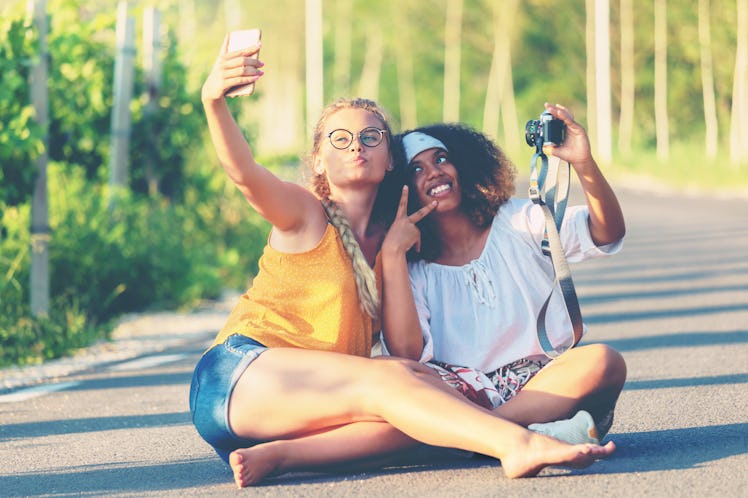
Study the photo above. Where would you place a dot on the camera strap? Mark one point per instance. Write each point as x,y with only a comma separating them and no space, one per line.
549,188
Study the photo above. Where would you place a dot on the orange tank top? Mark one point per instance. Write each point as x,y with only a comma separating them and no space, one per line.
305,300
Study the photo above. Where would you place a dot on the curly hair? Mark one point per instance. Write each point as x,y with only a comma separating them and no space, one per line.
485,174
384,206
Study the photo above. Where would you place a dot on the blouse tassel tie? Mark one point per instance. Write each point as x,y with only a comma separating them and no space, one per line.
478,278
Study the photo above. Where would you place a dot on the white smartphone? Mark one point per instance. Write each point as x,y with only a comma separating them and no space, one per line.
242,39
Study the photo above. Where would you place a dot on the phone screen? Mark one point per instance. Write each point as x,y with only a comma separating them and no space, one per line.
238,40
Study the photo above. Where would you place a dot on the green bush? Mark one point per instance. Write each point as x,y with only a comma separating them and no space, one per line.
24,339
81,73
20,137
164,133
109,252
109,258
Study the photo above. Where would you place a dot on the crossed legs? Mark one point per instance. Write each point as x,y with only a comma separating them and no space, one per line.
314,399
584,378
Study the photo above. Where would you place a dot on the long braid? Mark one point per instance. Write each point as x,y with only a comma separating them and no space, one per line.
366,281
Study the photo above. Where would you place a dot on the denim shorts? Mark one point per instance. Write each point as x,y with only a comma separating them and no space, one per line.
213,381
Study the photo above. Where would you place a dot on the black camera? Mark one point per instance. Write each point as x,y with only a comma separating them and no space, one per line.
545,131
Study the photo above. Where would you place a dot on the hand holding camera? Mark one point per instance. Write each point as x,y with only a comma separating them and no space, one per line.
557,134
545,131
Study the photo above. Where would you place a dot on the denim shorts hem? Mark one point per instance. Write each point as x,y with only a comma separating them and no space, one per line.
213,381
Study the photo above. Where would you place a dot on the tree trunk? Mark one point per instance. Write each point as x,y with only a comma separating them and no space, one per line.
739,112
124,69
509,106
660,83
314,62
495,85
152,70
452,55
405,79
500,87
40,233
368,85
602,81
589,30
343,36
707,80
187,30
628,89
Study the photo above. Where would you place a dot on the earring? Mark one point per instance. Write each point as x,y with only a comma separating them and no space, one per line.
390,167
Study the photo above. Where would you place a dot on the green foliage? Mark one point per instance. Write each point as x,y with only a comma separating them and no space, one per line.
139,254
686,170
110,252
220,223
14,257
81,67
165,127
20,137
134,253
25,339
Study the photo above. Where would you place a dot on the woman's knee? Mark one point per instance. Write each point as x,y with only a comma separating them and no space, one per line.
394,369
399,375
608,362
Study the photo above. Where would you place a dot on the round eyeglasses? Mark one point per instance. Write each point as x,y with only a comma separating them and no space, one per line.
342,139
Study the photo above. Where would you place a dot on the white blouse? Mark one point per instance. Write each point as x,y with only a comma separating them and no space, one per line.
483,314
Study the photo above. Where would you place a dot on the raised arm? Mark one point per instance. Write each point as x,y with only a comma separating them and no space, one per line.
606,218
285,205
400,325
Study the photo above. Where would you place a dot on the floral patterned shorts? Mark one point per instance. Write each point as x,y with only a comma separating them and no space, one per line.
493,389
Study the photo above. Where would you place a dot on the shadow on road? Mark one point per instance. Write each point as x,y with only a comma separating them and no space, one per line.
637,452
628,316
9,432
674,449
126,477
714,380
679,340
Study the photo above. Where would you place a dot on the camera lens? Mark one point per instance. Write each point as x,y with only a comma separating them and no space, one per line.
531,132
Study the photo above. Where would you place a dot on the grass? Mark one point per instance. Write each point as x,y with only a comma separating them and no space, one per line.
687,169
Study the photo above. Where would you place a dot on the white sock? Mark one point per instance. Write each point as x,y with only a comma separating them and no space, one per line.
576,430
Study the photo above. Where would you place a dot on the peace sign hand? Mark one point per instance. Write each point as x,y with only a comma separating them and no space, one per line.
404,234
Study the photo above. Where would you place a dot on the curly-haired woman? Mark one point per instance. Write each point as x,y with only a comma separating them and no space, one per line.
481,277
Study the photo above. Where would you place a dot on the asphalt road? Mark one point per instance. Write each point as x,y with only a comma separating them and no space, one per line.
674,302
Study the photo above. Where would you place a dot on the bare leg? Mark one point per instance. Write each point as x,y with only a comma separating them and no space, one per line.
357,445
289,393
584,378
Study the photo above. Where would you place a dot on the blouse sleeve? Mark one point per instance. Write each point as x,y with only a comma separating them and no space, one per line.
575,232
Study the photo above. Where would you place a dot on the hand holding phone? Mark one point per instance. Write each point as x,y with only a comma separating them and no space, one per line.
238,40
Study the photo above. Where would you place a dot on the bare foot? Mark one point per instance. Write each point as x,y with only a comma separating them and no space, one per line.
542,451
251,465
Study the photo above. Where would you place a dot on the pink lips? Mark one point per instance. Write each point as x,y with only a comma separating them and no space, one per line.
356,161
